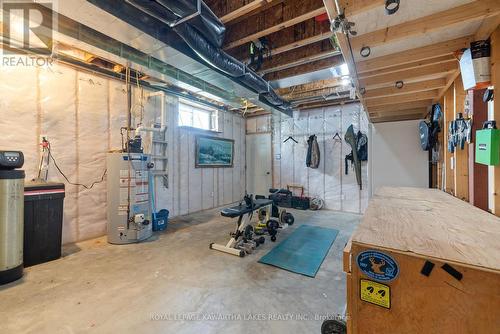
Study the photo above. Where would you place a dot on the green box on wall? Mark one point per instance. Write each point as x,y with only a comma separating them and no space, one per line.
488,145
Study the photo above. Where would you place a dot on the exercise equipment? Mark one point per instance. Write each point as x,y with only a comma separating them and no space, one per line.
333,326
11,215
242,239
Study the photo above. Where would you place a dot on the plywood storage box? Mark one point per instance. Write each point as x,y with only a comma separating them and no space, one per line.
421,262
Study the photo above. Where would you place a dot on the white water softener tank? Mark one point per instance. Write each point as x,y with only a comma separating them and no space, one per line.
11,216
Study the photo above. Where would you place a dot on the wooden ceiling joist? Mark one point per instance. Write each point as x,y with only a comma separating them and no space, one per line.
307,68
469,12
487,27
413,111
414,87
272,20
382,101
400,106
417,64
397,118
251,7
294,37
277,64
354,7
325,92
409,74
414,55
311,86
327,103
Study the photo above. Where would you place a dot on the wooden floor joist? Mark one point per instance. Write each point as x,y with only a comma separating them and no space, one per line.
401,106
315,85
381,101
277,66
403,75
413,111
307,68
277,18
475,10
415,55
414,87
407,66
245,10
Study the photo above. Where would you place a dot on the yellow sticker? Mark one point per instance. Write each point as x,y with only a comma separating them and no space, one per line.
375,293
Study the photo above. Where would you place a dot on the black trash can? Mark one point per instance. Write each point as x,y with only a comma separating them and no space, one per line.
43,218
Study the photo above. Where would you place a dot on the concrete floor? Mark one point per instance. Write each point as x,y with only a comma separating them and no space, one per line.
166,285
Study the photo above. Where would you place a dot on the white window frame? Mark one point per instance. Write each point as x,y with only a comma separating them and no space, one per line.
213,115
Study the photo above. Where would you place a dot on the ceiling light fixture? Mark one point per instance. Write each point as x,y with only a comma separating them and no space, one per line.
365,51
391,6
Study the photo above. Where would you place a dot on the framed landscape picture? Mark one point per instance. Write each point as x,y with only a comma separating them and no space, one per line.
214,152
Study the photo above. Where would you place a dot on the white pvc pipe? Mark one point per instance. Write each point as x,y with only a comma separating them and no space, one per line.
163,122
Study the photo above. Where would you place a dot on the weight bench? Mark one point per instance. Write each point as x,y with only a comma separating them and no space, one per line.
244,212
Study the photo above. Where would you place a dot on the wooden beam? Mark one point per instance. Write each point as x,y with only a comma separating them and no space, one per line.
326,104
413,55
405,75
414,87
450,78
412,111
487,27
307,33
469,12
354,7
401,106
495,80
242,11
461,170
298,57
272,20
448,111
417,64
382,101
307,68
311,86
399,118
322,92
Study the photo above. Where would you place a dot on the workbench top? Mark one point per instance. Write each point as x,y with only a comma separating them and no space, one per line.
431,224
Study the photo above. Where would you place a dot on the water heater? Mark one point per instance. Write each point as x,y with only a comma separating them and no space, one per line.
129,208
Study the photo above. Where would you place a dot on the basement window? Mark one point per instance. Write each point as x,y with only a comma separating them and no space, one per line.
197,116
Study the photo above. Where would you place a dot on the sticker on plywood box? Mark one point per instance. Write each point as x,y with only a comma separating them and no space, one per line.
375,293
377,265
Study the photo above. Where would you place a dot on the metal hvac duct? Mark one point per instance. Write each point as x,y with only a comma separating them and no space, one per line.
203,33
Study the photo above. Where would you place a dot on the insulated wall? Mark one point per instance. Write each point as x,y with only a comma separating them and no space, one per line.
81,114
328,182
397,157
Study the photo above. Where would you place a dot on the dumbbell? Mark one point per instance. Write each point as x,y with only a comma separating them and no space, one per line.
272,228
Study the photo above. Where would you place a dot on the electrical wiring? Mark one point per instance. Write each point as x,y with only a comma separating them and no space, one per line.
73,183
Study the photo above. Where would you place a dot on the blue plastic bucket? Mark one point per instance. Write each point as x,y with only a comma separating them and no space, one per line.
161,221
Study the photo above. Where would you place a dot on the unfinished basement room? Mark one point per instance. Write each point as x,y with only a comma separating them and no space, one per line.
250,166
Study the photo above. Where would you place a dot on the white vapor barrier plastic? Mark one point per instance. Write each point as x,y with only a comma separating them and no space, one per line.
328,182
81,114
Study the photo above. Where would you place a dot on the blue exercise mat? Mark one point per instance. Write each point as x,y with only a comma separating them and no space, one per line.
303,251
